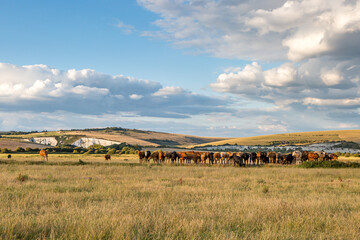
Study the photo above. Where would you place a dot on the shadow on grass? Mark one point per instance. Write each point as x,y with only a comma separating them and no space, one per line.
65,163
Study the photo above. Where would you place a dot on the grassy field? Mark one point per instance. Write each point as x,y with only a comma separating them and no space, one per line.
124,200
294,138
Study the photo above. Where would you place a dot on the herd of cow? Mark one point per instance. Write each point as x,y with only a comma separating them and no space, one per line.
236,158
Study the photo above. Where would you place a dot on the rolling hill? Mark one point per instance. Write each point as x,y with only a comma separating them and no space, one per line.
120,135
300,138
156,139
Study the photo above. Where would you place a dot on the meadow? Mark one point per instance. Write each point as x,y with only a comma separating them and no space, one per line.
119,199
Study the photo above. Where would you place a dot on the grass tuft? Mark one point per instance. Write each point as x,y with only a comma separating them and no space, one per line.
22,178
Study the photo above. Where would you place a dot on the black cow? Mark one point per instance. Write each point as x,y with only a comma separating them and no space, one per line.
9,156
173,156
237,160
211,158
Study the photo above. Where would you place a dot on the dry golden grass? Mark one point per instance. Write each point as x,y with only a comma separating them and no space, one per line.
294,138
118,200
349,159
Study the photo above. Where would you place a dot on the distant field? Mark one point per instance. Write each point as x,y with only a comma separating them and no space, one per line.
120,199
13,144
293,138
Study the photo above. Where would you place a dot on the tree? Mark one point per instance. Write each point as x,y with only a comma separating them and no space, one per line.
19,149
5,150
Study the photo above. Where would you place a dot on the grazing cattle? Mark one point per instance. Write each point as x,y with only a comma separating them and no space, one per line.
313,156
272,157
333,156
244,157
173,156
161,157
297,155
261,157
107,157
203,157
167,157
237,160
304,156
322,155
147,155
279,158
211,158
217,157
194,156
9,156
253,158
223,157
287,158
155,157
188,156
43,155
141,156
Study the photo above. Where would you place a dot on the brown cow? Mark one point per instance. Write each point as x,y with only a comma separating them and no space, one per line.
43,155
161,157
203,157
333,156
272,157
217,157
313,156
304,155
107,157
194,156
141,156
155,157
261,157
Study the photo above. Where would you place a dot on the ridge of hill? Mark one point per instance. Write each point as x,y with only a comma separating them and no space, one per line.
299,138
116,134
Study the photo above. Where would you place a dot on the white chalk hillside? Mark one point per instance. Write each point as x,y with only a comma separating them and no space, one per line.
87,142
50,141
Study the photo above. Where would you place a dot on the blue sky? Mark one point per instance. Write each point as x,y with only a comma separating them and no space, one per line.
211,68
84,34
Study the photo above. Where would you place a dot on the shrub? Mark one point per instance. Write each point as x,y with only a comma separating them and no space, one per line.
356,155
347,155
329,164
111,151
128,150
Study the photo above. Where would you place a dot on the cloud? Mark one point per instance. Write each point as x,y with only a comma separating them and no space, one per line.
323,83
259,30
127,29
166,91
40,88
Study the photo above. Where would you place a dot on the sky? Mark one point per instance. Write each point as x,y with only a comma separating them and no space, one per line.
226,68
